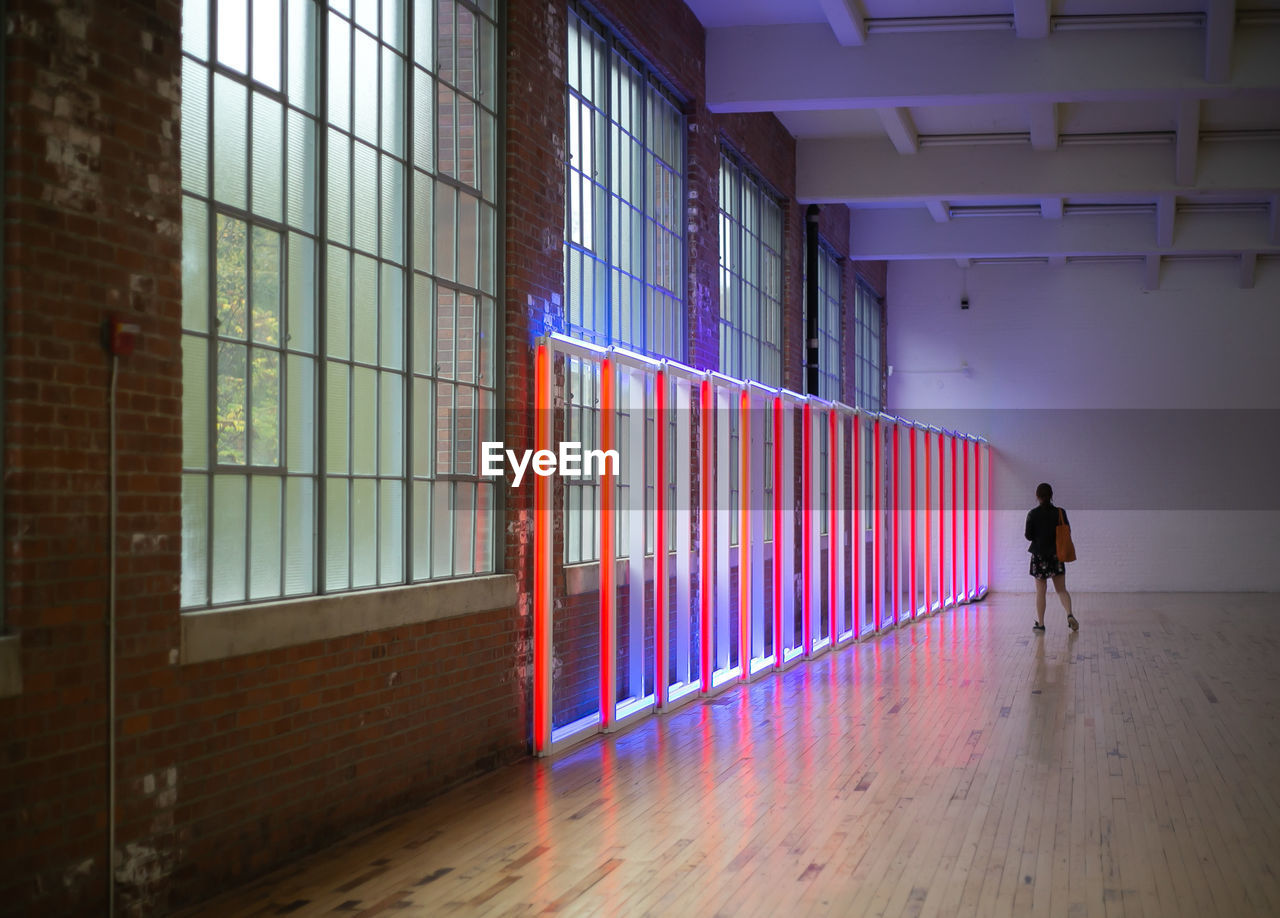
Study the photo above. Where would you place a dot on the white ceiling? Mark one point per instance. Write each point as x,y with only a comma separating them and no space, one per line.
997,129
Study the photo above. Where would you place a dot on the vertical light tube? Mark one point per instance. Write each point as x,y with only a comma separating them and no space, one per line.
835,550
986,535
877,523
543,526
682,472
806,527
928,523
725,461
964,509
607,534
955,545
859,547
778,478
705,536
787,478
660,602
744,536
895,509
634,517
913,605
942,522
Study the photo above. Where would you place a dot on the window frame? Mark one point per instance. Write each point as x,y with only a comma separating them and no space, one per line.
407,69
830,324
868,319
594,309
757,199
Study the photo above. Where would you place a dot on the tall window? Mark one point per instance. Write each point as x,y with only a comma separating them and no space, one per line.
750,276
866,330
624,219
830,352
339,249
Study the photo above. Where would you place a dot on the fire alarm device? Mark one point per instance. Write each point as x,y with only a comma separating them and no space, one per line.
122,336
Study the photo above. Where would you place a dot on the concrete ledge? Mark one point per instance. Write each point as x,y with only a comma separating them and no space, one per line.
221,633
10,665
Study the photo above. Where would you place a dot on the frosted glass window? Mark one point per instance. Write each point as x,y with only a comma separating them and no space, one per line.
624,243
830,335
750,276
866,331
313,364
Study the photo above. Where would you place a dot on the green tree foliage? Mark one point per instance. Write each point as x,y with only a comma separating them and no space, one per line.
247,270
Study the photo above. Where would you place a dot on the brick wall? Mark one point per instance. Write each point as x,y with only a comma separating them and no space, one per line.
92,227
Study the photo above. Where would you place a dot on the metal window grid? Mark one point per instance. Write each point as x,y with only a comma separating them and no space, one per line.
624,215
750,275
346,188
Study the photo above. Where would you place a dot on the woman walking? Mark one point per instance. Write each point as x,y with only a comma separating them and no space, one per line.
1041,532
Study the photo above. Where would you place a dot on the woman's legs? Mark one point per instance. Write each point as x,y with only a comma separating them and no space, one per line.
1059,587
1041,586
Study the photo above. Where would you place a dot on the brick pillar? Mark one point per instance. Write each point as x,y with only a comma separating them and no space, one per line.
537,33
93,228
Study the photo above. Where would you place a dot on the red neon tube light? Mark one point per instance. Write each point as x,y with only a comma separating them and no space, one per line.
832,556
928,558
877,572
955,545
777,532
964,504
704,400
744,540
914,605
660,605
942,522
895,505
806,515
542,558
606,548
859,548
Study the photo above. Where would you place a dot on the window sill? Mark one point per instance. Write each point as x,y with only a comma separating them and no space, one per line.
220,633
10,665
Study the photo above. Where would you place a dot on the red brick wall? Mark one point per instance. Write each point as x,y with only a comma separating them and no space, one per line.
92,222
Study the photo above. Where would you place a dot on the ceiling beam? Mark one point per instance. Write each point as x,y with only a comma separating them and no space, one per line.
846,21
802,67
1031,18
1166,214
939,210
1014,173
1188,141
1051,208
1042,120
1219,34
900,128
1248,269
905,233
1151,277
1274,236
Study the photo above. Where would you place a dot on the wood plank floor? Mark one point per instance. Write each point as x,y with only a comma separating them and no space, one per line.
960,766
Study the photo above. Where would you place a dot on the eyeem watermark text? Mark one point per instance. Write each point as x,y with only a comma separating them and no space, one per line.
570,461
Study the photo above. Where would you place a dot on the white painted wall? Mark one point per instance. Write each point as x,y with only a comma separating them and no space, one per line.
1155,415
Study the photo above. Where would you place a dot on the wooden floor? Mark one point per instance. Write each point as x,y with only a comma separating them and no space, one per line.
959,766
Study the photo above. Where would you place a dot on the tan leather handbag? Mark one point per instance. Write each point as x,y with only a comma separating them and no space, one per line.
1066,548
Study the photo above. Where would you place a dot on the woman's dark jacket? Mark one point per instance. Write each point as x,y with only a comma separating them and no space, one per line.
1042,524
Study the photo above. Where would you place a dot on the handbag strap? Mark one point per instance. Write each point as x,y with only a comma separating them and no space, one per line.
1060,521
